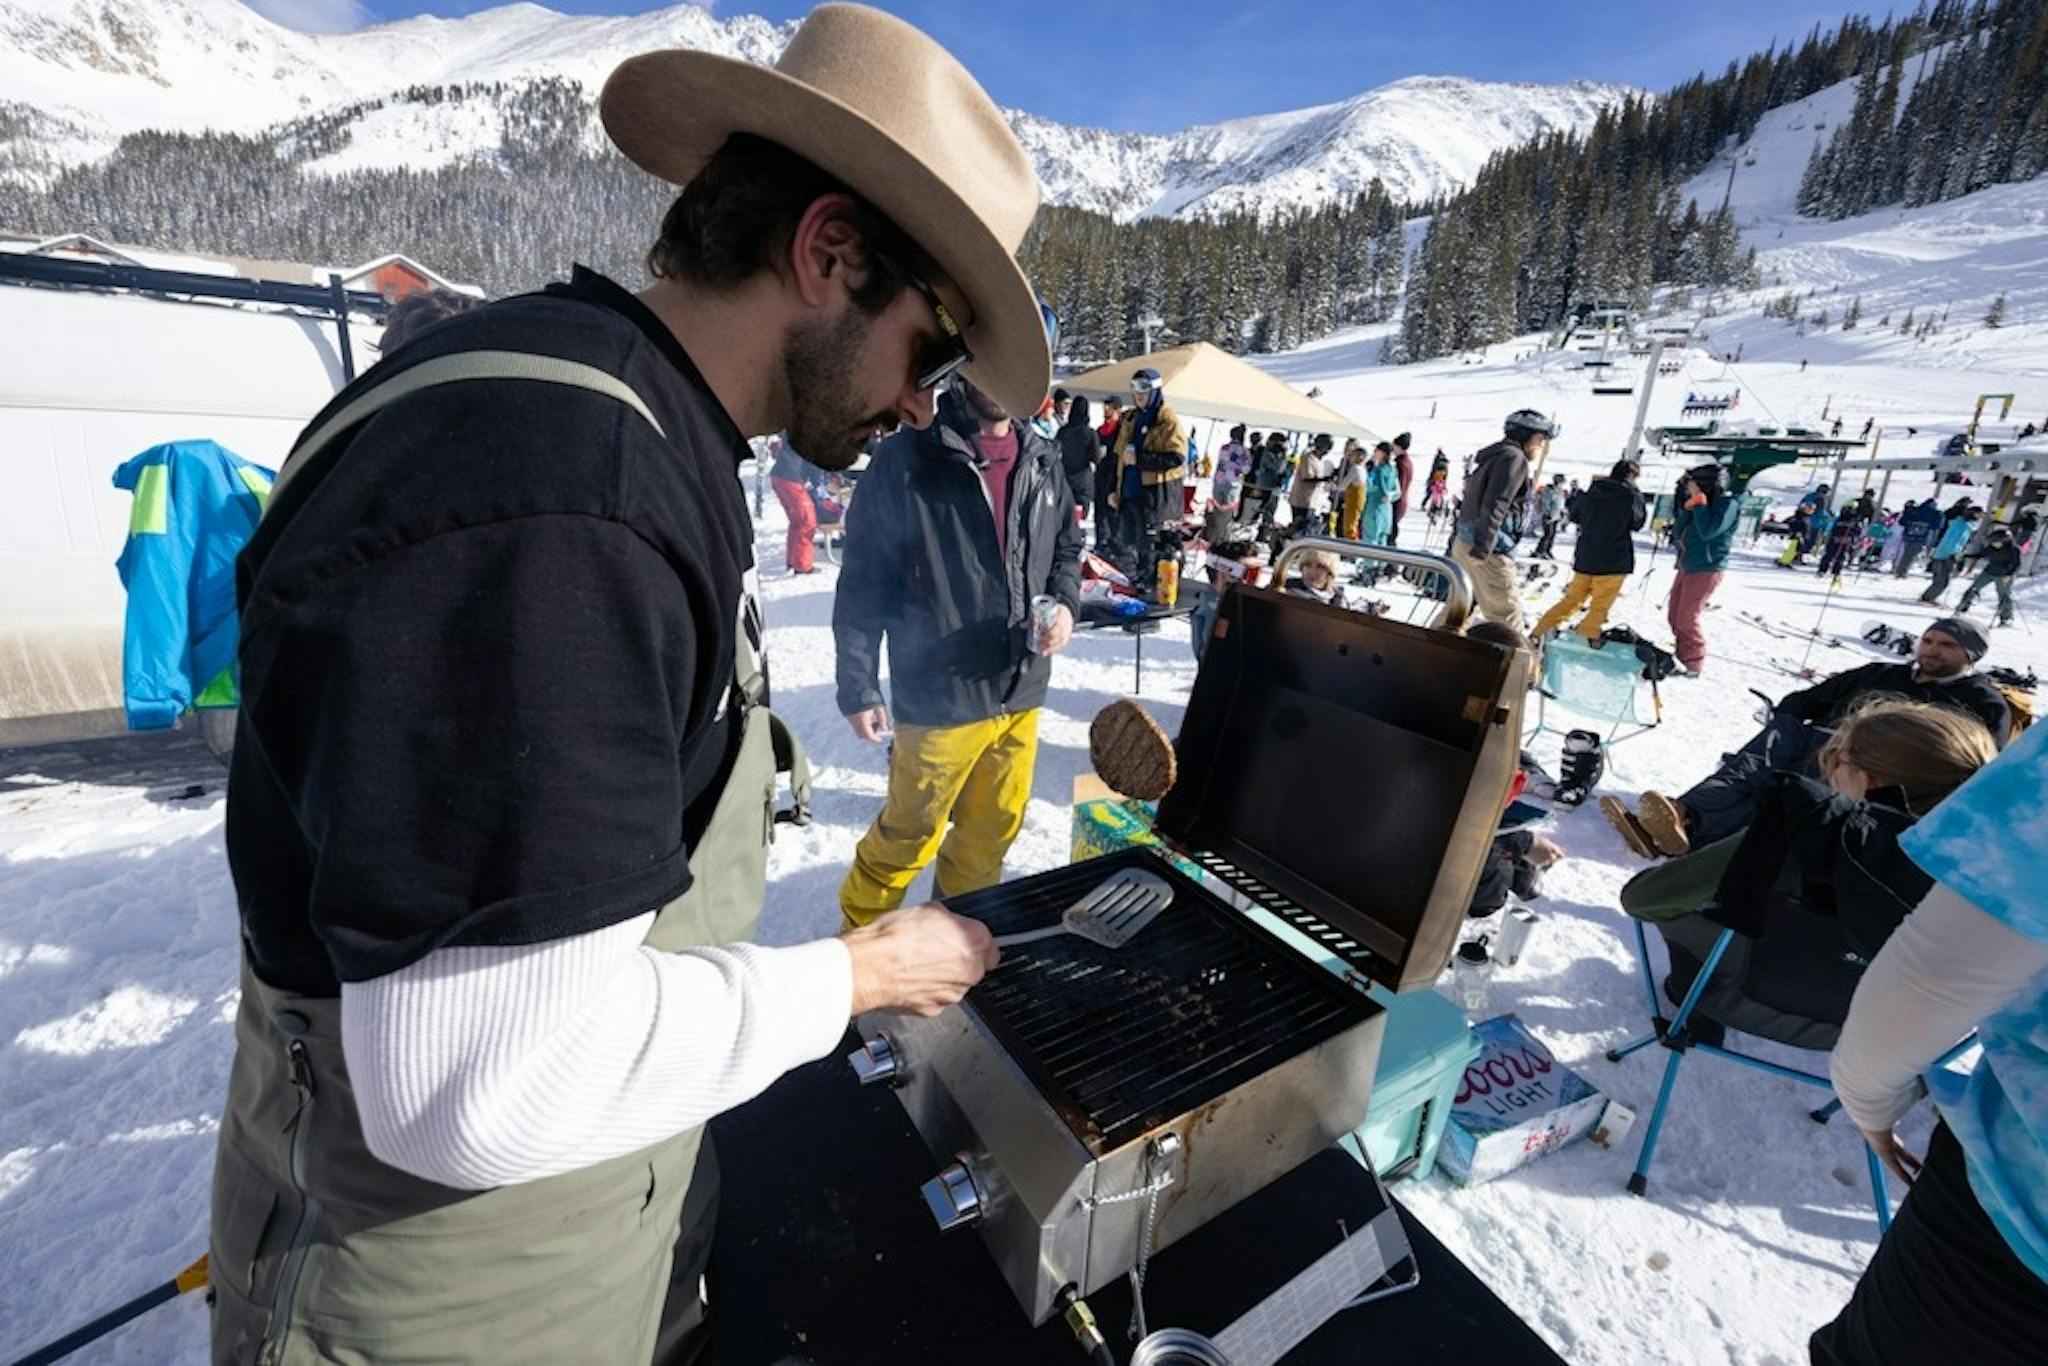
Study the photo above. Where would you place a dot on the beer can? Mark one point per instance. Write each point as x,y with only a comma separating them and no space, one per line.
1045,614
1169,581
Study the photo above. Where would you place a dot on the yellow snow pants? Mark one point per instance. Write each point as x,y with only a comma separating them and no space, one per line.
975,777
1599,589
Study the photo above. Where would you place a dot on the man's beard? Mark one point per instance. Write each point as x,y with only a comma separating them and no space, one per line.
980,406
818,363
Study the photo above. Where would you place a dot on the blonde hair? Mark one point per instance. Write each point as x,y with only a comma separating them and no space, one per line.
1318,559
1928,751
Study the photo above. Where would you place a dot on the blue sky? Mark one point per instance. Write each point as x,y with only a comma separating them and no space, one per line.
1157,66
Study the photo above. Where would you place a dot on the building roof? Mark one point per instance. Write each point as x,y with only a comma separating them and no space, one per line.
441,281
202,263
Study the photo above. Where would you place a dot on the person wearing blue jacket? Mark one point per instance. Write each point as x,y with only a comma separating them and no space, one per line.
196,503
1948,550
1382,491
1919,524
1703,531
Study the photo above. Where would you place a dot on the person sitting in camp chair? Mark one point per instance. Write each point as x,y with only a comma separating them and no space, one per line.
1516,862
1816,883
1943,671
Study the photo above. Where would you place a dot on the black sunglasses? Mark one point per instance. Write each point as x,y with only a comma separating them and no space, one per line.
938,359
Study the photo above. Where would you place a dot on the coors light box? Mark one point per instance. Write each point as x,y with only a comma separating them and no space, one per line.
1515,1103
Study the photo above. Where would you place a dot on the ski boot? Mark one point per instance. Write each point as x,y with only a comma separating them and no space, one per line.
1580,769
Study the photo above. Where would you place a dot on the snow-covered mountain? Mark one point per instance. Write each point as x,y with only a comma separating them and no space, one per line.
76,75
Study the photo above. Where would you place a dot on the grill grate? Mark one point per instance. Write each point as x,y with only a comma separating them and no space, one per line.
1327,937
1118,1041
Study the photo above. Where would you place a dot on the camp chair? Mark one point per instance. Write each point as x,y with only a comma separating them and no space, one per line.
1676,1034
1601,685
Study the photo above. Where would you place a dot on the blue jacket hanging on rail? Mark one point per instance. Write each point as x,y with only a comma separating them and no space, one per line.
196,503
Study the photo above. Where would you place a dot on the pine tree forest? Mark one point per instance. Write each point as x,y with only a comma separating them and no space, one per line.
1546,225
1938,122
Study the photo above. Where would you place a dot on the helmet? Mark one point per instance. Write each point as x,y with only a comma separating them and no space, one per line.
1532,422
1145,381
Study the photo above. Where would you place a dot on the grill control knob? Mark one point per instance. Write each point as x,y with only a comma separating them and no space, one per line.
954,1197
877,1060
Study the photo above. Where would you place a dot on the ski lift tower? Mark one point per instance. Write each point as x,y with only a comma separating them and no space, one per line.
1651,369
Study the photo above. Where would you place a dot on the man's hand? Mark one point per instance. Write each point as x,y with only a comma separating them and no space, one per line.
871,725
1060,632
918,961
1544,851
1893,1154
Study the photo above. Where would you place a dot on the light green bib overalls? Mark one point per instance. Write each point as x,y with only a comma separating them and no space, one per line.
322,1253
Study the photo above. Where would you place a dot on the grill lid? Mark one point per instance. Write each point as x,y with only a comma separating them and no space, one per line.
1353,765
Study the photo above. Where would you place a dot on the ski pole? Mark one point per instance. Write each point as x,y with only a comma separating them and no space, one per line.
193,1277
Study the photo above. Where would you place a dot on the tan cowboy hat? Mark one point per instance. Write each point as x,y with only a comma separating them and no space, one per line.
882,107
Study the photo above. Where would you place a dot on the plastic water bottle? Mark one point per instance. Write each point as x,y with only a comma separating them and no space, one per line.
1471,978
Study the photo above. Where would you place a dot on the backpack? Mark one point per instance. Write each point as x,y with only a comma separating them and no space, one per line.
1657,663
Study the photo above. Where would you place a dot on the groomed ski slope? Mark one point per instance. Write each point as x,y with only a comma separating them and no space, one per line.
117,924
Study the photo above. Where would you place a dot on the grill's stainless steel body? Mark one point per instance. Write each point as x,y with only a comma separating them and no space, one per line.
1056,1211
1082,1096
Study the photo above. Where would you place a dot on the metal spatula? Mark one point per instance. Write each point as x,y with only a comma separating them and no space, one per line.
1123,904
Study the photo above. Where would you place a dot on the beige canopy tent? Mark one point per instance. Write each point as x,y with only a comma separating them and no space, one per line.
1204,381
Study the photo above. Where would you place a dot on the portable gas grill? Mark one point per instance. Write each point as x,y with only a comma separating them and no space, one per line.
1342,774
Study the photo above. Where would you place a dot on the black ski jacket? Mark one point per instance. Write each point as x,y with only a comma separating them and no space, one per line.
922,569
1607,514
1819,883
2003,561
1080,449
1828,701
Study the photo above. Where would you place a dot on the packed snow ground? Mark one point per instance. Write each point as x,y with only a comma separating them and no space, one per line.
117,949
118,935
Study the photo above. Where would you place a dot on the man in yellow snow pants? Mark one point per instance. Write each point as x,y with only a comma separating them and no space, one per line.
962,556
1599,590
955,791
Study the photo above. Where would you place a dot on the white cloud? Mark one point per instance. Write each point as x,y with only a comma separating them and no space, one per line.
314,16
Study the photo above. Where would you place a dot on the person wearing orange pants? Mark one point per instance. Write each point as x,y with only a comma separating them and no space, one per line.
786,476
957,792
1350,489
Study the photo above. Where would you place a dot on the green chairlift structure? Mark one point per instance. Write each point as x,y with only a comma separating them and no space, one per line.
1746,449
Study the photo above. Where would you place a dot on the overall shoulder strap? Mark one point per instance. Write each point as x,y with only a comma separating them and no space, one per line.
463,365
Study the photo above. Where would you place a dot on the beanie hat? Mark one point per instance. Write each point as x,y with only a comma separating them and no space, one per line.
1404,440
1966,632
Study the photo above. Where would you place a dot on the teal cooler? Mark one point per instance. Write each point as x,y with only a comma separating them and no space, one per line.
1428,1046
1423,1056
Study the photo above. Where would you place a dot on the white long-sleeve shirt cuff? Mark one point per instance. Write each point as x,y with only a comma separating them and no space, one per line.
1945,969
485,1066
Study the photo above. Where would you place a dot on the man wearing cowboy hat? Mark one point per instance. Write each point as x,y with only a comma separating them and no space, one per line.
506,765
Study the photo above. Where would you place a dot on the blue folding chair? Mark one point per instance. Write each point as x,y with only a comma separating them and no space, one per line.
1676,1034
1603,686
